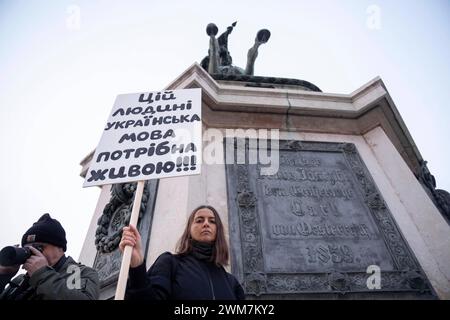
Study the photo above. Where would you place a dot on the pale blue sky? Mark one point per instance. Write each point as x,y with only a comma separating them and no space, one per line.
59,79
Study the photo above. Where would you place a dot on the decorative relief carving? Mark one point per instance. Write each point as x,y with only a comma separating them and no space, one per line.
251,242
415,281
374,202
108,264
116,215
294,145
441,198
339,282
246,199
256,283
349,148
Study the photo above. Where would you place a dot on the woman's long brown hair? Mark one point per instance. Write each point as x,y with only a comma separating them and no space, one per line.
220,252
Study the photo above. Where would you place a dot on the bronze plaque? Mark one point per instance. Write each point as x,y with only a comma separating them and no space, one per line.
316,226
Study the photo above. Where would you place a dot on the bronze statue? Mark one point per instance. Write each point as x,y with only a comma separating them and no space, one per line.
219,60
441,198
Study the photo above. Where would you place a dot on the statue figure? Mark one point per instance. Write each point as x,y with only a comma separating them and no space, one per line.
224,55
426,177
219,59
443,200
440,197
261,37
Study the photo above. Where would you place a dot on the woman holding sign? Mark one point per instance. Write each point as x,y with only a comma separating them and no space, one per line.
195,272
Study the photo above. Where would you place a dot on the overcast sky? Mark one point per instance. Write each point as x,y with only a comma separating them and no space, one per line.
62,63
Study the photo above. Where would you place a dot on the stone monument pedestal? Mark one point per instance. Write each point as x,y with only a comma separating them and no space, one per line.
344,201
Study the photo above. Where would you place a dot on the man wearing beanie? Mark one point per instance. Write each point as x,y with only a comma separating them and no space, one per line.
50,274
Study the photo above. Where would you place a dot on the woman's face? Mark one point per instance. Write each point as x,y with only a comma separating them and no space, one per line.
204,227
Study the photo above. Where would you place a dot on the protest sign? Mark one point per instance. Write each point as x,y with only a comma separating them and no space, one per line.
149,135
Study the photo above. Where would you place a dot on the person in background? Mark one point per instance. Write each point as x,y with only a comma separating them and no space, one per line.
50,274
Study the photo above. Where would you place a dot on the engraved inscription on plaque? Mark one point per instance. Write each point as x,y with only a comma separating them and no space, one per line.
313,217
315,226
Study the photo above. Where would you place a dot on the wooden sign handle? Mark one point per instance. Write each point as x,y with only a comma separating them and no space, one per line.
126,259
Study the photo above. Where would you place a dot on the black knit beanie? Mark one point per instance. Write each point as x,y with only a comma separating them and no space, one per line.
46,230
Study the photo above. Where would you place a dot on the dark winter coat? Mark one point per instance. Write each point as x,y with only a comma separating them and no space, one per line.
182,277
53,283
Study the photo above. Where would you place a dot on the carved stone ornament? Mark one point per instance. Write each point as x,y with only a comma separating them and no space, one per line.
256,283
441,198
246,199
116,215
295,145
374,201
339,282
315,226
415,281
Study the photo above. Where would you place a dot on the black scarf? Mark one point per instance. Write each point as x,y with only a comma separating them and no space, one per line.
202,250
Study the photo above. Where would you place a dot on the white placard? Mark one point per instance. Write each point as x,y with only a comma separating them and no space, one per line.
149,135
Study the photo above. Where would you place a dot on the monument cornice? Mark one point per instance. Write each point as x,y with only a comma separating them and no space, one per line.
228,104
293,109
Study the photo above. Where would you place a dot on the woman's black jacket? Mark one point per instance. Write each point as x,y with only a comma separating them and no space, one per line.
182,277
